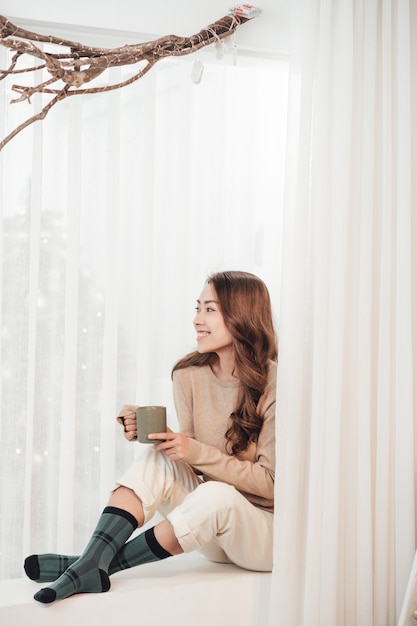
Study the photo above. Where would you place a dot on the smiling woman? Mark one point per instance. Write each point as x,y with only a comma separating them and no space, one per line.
213,479
125,201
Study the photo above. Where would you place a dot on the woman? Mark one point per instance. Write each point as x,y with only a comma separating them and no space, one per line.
213,482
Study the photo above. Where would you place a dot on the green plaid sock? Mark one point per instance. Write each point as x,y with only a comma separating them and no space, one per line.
45,568
89,574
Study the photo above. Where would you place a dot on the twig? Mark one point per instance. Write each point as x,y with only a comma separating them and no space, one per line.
81,64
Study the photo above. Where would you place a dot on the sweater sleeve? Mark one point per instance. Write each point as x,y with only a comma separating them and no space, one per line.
254,476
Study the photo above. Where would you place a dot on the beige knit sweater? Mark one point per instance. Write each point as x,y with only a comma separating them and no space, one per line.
204,404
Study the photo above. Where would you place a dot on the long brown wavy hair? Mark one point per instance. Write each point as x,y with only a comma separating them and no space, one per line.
246,308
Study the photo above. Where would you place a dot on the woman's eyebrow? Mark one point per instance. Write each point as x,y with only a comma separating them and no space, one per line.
208,302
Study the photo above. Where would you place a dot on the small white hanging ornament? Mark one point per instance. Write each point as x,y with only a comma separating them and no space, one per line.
219,47
197,71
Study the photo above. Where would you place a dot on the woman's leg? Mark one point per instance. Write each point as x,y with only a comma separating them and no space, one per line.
89,574
49,567
165,536
169,483
217,512
124,498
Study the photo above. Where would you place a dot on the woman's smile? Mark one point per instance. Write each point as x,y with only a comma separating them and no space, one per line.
209,323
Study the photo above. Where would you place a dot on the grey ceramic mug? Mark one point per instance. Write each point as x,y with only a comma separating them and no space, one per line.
150,419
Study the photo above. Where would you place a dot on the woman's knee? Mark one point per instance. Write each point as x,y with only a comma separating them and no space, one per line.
217,494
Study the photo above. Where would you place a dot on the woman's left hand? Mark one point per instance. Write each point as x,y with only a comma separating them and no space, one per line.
175,444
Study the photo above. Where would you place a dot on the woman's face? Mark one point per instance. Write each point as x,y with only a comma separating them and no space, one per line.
212,334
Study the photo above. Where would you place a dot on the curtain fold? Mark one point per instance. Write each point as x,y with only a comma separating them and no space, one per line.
345,488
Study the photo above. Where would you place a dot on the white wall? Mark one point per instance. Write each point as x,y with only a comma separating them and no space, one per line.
158,17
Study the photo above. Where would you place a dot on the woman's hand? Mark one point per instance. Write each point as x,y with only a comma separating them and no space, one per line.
127,418
175,444
130,427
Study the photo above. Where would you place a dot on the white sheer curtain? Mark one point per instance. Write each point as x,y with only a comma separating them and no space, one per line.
116,207
113,211
345,487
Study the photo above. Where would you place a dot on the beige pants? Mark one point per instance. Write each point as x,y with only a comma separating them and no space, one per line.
212,517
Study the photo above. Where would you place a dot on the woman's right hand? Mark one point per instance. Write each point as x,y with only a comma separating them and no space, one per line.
127,418
130,430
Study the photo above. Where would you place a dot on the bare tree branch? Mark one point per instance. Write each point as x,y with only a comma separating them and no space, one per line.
71,70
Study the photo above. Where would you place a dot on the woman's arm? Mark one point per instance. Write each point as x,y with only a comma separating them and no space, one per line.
253,471
254,477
